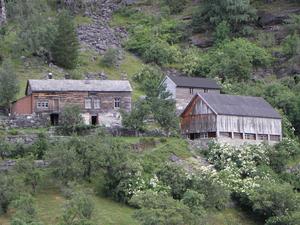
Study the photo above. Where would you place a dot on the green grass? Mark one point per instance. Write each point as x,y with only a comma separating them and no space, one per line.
82,20
50,203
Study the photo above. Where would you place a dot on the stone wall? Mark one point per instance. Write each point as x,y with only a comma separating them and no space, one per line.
25,121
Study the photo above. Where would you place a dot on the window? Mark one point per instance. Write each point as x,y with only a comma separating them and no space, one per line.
117,102
205,90
96,103
191,91
203,135
42,105
88,103
274,137
250,136
238,135
263,137
225,134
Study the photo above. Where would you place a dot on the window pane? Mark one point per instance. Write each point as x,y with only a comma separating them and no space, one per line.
117,102
96,103
88,103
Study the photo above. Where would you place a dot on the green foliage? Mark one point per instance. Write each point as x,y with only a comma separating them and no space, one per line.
26,212
175,6
37,31
274,199
175,177
5,148
212,12
110,58
291,45
30,173
65,45
135,120
195,201
266,40
7,192
291,219
160,209
161,53
9,85
40,147
231,60
222,32
70,118
78,210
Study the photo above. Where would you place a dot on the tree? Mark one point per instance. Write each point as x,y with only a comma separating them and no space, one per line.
135,120
195,201
161,209
212,12
9,85
65,46
70,119
31,174
78,210
175,5
7,192
5,148
40,146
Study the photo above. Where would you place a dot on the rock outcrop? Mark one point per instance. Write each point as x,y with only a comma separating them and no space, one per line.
2,12
99,35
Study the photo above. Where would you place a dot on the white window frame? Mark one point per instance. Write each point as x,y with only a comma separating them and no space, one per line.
204,135
263,137
191,91
117,102
88,103
42,104
97,103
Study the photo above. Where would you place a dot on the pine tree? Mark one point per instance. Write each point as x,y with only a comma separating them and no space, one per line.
9,86
65,46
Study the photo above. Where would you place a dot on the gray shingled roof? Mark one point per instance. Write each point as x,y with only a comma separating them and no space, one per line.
80,85
194,82
240,105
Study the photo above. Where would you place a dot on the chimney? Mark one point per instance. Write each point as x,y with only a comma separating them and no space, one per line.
50,76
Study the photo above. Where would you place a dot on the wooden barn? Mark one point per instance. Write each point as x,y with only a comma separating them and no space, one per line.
231,119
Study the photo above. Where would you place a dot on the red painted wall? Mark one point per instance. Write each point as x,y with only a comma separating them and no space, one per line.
22,107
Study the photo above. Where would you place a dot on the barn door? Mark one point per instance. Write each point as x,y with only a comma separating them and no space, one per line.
56,105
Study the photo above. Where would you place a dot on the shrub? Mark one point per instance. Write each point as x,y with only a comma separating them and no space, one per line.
291,45
176,178
110,58
274,199
175,5
8,192
160,209
195,201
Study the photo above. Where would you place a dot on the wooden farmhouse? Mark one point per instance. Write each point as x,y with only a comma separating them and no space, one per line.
99,100
183,88
231,119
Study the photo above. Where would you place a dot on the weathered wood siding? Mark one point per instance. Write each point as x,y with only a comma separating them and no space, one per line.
253,125
198,118
78,98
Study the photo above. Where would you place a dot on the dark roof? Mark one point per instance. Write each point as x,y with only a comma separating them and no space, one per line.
194,82
240,105
79,85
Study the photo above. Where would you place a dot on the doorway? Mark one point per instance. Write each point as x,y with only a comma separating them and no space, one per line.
94,120
54,118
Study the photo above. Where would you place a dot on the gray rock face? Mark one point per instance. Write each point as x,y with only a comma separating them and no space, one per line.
2,12
99,35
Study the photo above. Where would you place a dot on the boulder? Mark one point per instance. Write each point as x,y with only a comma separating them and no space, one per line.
201,42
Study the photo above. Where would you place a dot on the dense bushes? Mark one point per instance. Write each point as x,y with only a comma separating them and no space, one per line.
231,60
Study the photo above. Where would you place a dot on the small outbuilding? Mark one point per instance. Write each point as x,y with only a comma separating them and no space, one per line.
231,119
183,88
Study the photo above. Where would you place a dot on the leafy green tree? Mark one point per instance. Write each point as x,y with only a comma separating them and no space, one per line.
70,118
174,177
222,32
40,146
161,209
195,201
31,174
65,45
135,120
36,31
291,45
274,199
5,148
9,85
26,212
8,192
212,12
78,210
